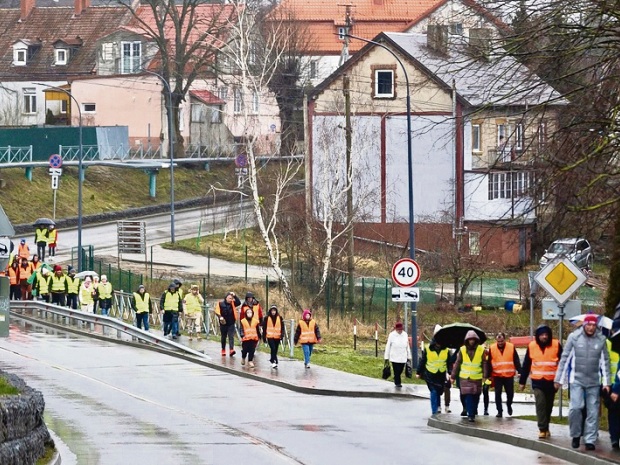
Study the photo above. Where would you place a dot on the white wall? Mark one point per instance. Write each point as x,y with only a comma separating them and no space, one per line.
478,207
12,103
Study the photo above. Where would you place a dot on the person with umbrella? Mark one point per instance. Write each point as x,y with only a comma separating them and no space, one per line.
434,364
541,360
40,238
471,369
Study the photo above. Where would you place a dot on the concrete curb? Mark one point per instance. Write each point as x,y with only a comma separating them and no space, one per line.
544,447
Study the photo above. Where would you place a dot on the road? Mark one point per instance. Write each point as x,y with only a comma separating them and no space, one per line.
112,405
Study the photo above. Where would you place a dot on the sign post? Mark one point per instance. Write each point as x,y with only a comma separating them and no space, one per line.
406,273
55,172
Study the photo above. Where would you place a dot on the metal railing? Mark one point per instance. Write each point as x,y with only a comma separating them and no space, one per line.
15,154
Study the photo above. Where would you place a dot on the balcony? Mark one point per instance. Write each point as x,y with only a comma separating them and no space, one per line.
498,157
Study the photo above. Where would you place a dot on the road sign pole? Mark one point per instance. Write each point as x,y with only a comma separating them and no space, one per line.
54,210
560,332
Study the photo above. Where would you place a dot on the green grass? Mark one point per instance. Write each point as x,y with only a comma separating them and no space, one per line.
47,457
7,389
603,424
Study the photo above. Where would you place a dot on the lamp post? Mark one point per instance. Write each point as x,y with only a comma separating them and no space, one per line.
80,173
171,148
414,325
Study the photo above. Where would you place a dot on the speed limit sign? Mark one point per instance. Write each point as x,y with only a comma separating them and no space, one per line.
406,272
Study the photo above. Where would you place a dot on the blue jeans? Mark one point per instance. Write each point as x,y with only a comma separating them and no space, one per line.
175,324
307,348
142,319
579,397
435,401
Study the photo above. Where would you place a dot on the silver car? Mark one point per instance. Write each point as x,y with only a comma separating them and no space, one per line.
576,249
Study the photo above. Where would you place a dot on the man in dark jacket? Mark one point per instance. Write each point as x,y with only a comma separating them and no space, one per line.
541,361
226,310
436,362
172,304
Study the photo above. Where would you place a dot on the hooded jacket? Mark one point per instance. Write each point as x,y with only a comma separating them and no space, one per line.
585,360
527,361
273,319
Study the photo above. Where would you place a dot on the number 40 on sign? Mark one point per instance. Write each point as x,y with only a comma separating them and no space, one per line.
405,272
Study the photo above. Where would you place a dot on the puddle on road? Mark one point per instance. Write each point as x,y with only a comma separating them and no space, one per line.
74,447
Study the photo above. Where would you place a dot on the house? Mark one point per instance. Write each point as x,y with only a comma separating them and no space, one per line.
479,123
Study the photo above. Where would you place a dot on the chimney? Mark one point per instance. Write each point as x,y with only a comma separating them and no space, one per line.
81,5
480,43
437,38
26,8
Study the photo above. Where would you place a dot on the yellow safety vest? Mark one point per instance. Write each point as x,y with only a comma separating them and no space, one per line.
614,358
52,236
471,369
40,235
73,285
192,303
58,283
171,302
105,290
437,361
43,284
86,295
142,305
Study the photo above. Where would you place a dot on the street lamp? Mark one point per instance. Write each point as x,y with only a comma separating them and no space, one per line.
414,325
80,174
171,148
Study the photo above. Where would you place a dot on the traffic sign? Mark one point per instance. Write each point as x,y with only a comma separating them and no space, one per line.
406,272
405,294
561,279
5,247
55,171
54,182
551,309
55,161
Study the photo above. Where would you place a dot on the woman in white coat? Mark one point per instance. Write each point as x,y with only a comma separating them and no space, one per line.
397,352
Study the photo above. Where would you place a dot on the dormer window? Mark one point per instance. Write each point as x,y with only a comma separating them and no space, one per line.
131,57
24,50
61,56
19,57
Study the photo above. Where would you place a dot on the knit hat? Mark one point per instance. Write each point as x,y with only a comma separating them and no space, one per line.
471,334
273,307
398,325
141,286
305,313
23,241
249,295
590,318
57,268
172,286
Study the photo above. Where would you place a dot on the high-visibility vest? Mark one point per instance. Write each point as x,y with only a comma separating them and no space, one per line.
274,330
24,273
43,283
40,235
36,266
58,283
105,290
503,363
614,358
23,251
193,303
250,332
437,361
13,276
52,237
471,368
218,311
73,285
142,302
307,335
86,295
256,311
171,302
544,364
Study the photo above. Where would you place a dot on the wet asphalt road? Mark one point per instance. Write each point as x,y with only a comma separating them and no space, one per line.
112,405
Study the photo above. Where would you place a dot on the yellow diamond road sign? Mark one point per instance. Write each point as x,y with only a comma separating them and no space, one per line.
560,278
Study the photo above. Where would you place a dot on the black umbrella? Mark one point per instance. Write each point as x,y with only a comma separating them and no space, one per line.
44,222
615,341
453,335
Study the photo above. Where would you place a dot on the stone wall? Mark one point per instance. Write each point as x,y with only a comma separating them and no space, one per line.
23,434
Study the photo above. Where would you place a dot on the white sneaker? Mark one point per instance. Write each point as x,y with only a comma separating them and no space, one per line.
274,365
447,410
242,361
251,364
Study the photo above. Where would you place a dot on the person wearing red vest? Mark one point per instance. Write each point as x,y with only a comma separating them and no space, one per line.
225,311
248,328
307,334
504,364
541,363
273,332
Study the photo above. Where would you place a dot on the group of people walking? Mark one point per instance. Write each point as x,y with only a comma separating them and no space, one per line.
586,363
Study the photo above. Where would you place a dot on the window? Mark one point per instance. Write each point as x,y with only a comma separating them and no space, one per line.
314,69
30,100
89,107
474,243
476,138
222,92
342,31
63,106
384,84
61,56
509,185
238,102
501,134
216,113
107,51
519,136
197,113
255,103
131,57
542,135
19,56
456,28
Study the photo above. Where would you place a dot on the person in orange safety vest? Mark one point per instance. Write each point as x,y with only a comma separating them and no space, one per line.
249,336
307,334
504,364
273,331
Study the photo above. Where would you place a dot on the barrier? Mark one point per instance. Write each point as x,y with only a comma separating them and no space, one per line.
521,341
375,337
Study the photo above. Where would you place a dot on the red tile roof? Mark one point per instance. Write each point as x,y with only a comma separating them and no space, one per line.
206,97
320,19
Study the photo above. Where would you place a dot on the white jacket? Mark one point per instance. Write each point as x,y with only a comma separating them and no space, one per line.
397,347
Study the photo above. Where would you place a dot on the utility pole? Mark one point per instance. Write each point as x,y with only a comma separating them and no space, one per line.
351,253
344,55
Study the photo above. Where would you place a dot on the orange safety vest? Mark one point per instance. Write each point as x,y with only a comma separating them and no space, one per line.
23,251
274,330
250,332
544,364
218,312
307,335
257,312
24,273
13,276
503,363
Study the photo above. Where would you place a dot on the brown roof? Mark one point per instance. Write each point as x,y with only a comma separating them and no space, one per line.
50,25
206,97
321,19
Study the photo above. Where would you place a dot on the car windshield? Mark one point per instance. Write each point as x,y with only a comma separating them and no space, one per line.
560,248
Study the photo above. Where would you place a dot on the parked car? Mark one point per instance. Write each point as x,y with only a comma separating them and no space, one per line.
576,249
